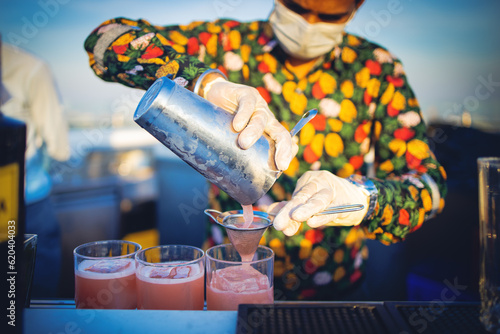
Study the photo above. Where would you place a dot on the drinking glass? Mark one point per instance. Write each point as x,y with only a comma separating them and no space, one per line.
489,221
170,277
231,282
105,275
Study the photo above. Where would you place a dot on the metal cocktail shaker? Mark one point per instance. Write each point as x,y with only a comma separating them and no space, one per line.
202,135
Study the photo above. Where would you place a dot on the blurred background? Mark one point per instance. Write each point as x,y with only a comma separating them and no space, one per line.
119,183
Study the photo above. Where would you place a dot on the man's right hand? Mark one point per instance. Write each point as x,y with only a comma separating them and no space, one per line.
252,118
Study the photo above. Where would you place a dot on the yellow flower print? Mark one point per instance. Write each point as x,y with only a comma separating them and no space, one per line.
302,85
213,28
335,124
317,144
298,104
378,230
398,147
262,240
191,25
278,247
398,101
270,61
170,68
414,192
157,61
441,205
387,215
353,40
338,256
347,88
387,96
334,145
346,171
245,71
373,87
412,102
387,166
123,58
315,76
351,237
179,48
129,22
254,25
418,149
178,38
338,274
426,200
348,111
319,256
443,172
378,129
288,90
288,75
162,39
124,39
235,39
327,83
421,216
293,168
362,77
212,46
305,248
296,99
245,52
348,55
307,134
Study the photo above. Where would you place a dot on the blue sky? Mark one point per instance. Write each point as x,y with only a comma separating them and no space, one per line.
448,47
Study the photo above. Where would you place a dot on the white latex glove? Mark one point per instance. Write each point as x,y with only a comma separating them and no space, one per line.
252,118
315,191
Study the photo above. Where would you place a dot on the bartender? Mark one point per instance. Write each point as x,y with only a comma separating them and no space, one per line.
269,73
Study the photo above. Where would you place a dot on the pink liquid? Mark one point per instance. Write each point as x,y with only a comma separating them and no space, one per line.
106,284
247,215
236,285
163,289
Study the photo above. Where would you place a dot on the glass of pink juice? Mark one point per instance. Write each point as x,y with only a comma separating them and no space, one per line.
170,277
231,282
105,275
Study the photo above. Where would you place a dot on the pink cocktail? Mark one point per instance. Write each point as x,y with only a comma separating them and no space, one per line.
231,282
105,275
170,278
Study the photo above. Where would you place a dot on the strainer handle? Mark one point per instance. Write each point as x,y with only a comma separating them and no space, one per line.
209,212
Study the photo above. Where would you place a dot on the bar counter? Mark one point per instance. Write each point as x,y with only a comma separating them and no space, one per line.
60,316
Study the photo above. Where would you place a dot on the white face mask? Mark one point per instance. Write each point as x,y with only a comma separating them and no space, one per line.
300,38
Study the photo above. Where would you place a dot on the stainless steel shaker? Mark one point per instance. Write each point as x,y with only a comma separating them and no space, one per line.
202,135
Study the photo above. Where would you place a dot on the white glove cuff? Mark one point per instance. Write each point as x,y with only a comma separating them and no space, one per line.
200,86
369,189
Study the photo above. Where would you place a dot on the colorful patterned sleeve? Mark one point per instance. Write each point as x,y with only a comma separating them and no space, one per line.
410,181
136,53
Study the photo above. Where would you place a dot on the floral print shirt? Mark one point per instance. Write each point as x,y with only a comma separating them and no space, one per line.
364,100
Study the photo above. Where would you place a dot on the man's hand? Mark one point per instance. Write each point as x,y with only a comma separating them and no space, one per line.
252,118
316,191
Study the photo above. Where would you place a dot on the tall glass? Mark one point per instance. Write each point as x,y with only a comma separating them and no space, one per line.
489,221
231,282
105,275
170,277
